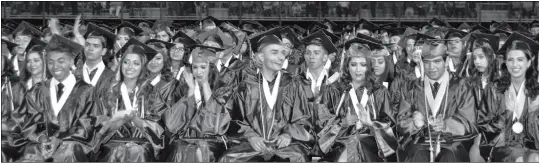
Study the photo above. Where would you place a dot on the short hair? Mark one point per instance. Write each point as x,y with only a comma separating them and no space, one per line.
60,49
100,37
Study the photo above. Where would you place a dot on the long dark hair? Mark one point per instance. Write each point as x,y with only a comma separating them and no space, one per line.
8,71
25,74
531,84
492,63
166,72
370,80
143,72
212,75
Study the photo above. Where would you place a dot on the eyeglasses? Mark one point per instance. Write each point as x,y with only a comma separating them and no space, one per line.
173,49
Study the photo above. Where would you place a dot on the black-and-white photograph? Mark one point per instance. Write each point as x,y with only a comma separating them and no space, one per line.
270,81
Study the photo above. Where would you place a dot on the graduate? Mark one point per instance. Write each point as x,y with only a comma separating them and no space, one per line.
317,51
226,58
437,113
57,114
162,30
133,129
199,120
296,50
455,48
272,106
356,115
509,118
34,71
22,35
123,32
98,44
159,67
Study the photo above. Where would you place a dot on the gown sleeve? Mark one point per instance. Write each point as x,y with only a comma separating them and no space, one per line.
463,120
213,117
491,119
295,113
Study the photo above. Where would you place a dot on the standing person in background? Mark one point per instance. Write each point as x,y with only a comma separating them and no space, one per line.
345,8
115,5
287,8
233,8
74,8
332,8
460,11
296,9
96,8
373,9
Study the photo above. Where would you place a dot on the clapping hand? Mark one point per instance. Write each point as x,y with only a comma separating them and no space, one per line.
419,120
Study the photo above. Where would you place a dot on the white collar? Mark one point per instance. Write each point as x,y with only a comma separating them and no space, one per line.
179,74
125,98
516,101
316,83
438,80
69,83
227,62
156,80
327,66
86,73
271,97
29,83
435,102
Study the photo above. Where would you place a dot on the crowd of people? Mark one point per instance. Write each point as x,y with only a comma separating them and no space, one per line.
212,91
410,9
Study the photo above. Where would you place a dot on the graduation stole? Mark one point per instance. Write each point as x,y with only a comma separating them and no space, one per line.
156,80
316,84
435,102
451,65
285,64
363,104
198,95
180,73
515,102
271,97
219,63
419,70
125,98
57,105
86,76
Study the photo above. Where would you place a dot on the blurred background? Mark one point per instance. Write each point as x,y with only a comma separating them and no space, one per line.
459,11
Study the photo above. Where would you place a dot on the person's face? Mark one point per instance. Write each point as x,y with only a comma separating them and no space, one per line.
163,36
156,64
434,67
287,43
177,52
122,39
143,38
358,68
379,65
93,49
34,63
47,38
534,31
273,57
455,45
395,41
410,46
131,66
385,38
315,56
22,42
480,60
201,70
517,63
152,35
59,64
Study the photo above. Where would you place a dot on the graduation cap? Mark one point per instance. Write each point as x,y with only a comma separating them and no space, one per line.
504,26
518,41
423,39
35,42
27,26
251,25
159,44
183,38
135,46
288,33
299,29
334,38
501,31
388,26
218,36
331,23
364,42
162,24
481,39
365,24
494,24
455,33
10,45
319,38
129,25
438,22
107,27
433,50
481,29
208,21
203,53
94,30
60,41
464,26
8,29
260,40
369,38
396,31
408,33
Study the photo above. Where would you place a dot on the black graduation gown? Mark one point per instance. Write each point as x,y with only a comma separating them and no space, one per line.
337,136
288,113
195,128
129,143
73,125
460,112
495,123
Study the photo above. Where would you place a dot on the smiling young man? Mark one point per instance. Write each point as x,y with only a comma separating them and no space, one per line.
439,103
55,116
272,105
